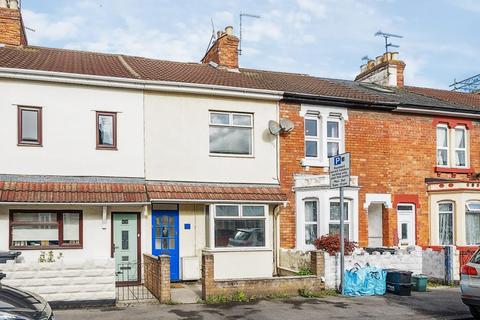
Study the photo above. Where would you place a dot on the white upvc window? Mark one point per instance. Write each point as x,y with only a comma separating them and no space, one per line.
334,222
311,220
472,222
452,146
324,136
239,226
312,137
231,133
445,219
442,145
460,147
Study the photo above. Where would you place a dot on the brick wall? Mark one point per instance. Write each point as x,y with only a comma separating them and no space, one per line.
390,153
264,286
157,276
11,27
224,52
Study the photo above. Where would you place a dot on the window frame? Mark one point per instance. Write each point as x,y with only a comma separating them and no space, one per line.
347,221
213,215
305,223
453,220
455,149
332,139
59,222
232,125
99,146
447,148
20,140
469,210
317,139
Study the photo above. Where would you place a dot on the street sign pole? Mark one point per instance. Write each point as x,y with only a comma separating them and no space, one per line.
342,242
340,178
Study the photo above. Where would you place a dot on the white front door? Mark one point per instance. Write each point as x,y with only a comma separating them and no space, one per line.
375,228
406,224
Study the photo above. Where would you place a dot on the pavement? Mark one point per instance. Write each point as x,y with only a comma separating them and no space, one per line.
437,303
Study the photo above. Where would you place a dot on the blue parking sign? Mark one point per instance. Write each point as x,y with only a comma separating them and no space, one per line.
337,160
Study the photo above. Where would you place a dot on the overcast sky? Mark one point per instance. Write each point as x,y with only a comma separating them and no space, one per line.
325,38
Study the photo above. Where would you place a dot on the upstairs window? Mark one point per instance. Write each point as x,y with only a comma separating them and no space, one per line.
29,126
106,130
442,145
231,133
323,139
452,146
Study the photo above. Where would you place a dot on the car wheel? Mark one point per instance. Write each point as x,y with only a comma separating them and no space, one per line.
475,312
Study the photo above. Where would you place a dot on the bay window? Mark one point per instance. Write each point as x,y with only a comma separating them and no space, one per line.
37,229
472,223
231,133
445,217
239,225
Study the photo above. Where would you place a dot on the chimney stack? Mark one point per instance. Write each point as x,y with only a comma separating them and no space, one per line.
224,51
385,70
12,31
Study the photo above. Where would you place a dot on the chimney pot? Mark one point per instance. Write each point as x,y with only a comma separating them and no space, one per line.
229,30
3,4
370,64
394,55
363,68
14,4
378,60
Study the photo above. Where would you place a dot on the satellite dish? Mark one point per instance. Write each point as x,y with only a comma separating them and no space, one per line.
286,125
274,127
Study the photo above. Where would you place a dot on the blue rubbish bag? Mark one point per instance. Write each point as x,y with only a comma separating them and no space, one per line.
364,281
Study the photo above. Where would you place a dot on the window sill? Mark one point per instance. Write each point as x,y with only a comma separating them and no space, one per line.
226,155
453,170
107,148
21,144
46,248
313,163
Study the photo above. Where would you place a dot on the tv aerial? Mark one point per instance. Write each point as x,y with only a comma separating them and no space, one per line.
386,35
366,58
244,15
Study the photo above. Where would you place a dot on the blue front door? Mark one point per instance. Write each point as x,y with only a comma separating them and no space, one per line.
165,238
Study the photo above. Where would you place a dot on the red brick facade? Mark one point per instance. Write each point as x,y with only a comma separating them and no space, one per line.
11,27
391,153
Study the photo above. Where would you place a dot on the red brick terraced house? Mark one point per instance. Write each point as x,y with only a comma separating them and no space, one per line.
90,167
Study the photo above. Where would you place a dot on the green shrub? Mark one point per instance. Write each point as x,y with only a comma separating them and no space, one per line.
304,271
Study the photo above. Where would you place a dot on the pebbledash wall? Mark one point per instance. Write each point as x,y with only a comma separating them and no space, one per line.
90,280
391,153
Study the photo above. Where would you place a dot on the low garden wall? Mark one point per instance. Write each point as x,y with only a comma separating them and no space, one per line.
258,287
156,272
89,282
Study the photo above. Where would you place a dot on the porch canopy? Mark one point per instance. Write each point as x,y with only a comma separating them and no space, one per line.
159,191
81,192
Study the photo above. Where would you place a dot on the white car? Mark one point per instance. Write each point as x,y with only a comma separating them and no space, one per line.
470,284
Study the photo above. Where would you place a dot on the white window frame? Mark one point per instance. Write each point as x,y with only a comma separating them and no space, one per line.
316,223
323,114
333,139
453,219
472,210
231,125
447,148
213,217
347,221
455,149
317,139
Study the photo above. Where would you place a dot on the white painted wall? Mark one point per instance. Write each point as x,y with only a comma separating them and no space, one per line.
96,234
192,241
242,264
71,109
177,140
88,280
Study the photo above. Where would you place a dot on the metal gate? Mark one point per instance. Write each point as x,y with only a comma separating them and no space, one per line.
130,283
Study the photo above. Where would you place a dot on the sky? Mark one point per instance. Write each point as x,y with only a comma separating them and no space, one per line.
325,38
